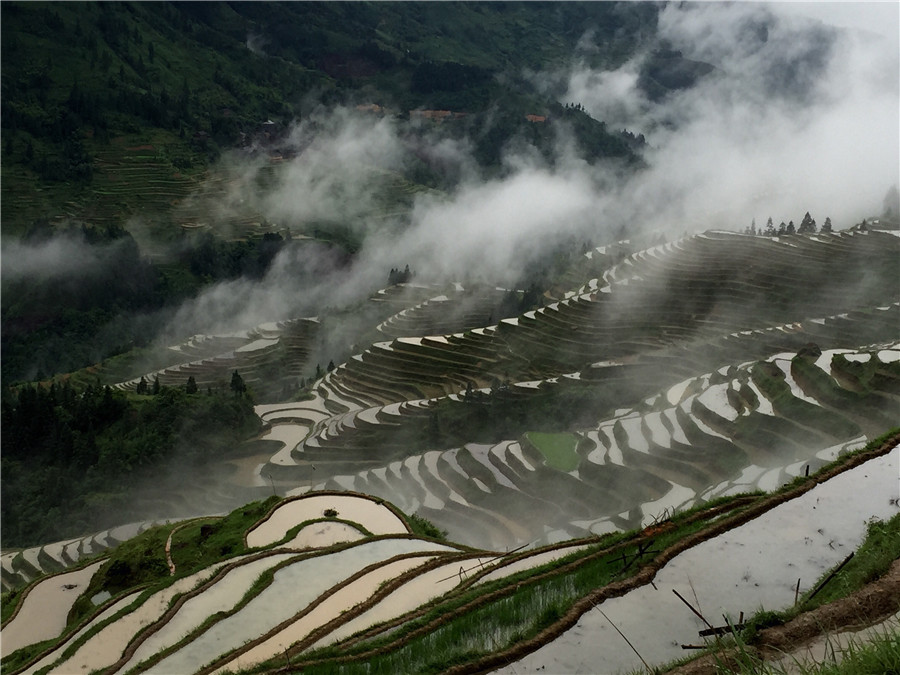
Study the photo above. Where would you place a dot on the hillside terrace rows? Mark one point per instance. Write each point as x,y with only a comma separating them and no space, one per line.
699,433
701,288
273,347
18,568
263,606
845,330
705,291
440,315
676,362
134,173
634,378
411,368
746,425
348,587
821,271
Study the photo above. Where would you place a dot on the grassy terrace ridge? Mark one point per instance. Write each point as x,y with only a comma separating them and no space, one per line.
517,613
411,645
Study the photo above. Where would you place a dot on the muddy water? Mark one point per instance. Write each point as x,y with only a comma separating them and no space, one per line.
290,434
376,518
322,535
331,608
249,471
220,597
105,647
293,588
751,567
105,614
43,614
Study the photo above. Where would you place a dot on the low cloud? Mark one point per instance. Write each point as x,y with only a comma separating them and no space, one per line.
796,116
59,258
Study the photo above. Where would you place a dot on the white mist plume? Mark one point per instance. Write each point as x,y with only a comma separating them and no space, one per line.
61,257
331,179
806,119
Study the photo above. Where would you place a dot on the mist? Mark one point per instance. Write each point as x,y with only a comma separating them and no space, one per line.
797,115
60,258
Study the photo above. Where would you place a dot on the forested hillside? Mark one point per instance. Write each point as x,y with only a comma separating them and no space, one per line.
186,80
464,313
114,113
72,459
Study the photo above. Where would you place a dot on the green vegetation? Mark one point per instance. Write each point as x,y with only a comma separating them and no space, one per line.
56,323
183,81
557,449
425,528
471,621
859,657
880,655
205,541
21,657
112,114
872,560
73,458
475,621
8,603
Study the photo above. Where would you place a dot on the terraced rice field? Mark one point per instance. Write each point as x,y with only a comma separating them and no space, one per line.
274,603
716,365
753,567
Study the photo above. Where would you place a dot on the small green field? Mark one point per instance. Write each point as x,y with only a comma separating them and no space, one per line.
558,449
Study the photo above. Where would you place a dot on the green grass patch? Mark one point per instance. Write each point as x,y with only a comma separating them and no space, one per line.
21,657
558,449
872,560
425,528
879,655
8,603
205,542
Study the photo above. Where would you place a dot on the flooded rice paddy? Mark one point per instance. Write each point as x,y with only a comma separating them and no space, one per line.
755,566
375,517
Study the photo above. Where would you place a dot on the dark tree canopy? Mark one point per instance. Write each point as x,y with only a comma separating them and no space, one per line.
237,384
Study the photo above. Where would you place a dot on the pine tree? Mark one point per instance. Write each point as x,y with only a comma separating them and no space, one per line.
826,227
237,384
191,386
770,228
807,225
790,227
156,386
142,386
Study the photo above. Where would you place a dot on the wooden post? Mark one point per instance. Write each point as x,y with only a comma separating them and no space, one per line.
830,577
691,607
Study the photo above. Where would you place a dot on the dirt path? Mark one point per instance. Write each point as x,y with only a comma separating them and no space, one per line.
169,560
868,606
832,647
